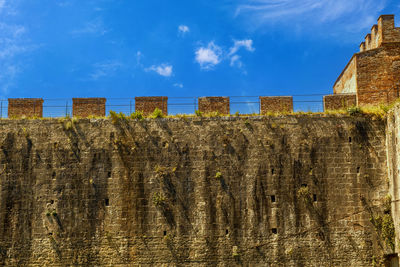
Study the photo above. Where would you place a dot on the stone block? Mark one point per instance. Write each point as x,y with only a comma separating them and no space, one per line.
276,104
25,107
339,101
85,107
147,104
214,104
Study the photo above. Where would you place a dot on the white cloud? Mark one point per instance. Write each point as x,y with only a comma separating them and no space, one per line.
163,69
179,85
209,56
93,27
247,44
105,69
183,29
235,61
343,15
14,43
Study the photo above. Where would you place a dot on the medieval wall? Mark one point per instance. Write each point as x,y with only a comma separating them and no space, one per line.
393,159
288,191
378,73
347,81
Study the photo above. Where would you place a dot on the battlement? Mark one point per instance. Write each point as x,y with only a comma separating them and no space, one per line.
85,107
147,104
339,101
276,104
381,33
25,107
214,104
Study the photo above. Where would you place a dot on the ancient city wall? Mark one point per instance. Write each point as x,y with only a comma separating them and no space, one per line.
393,159
288,191
347,81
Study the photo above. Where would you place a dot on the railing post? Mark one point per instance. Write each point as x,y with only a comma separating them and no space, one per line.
66,108
1,109
130,106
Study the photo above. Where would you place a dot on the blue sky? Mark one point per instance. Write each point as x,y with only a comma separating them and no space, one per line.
126,48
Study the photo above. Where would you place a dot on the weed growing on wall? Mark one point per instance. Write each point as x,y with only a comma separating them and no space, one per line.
198,113
384,224
157,113
138,115
218,175
158,199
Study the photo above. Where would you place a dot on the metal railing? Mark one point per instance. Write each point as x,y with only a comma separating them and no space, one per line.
61,107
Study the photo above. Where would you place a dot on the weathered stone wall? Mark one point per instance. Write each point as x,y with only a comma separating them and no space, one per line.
374,72
276,104
378,73
393,159
25,107
339,101
214,104
258,191
85,107
347,81
147,104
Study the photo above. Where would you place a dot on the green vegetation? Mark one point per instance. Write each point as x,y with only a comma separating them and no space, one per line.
138,115
157,113
158,199
304,194
117,117
198,113
218,175
384,224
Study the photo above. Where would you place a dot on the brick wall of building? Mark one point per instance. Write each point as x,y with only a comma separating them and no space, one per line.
85,107
147,105
339,101
347,81
276,104
25,107
374,73
214,104
378,75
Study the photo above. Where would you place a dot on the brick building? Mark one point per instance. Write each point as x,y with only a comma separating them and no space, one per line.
373,74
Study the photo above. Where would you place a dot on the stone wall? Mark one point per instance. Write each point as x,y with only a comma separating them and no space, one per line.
378,73
374,72
393,158
25,107
147,105
214,104
85,107
383,32
258,191
339,101
347,81
276,104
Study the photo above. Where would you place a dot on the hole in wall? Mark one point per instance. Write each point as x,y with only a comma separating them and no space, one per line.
272,171
109,174
50,233
53,175
165,233
303,185
273,198
107,202
358,169
274,231
226,232
51,201
315,197
349,139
